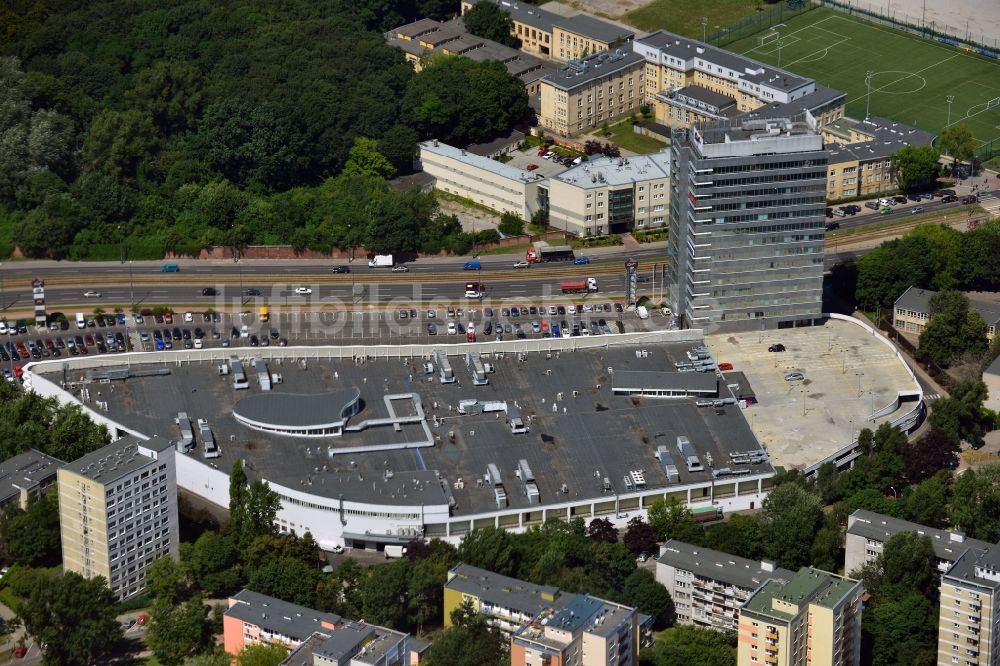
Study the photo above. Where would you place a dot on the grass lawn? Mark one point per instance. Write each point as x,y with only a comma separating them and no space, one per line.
912,76
684,16
623,137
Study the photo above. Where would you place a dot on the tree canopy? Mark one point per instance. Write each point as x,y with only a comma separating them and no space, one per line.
916,167
72,616
957,142
954,329
198,125
490,21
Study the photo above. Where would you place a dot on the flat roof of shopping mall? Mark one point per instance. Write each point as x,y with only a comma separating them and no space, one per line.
846,370
590,435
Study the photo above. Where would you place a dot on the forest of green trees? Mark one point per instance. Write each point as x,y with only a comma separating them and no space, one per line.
198,124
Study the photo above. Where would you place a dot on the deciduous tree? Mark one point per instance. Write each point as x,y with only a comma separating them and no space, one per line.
644,592
957,142
916,167
640,537
954,329
789,520
73,617
490,21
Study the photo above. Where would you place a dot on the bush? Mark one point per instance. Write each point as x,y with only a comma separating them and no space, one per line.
511,225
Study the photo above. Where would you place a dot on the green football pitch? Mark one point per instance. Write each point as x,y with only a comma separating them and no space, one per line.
912,77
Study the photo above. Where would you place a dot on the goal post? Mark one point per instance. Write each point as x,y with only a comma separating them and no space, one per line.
768,38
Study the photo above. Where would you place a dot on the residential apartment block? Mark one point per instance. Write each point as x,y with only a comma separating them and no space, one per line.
487,182
585,93
585,631
558,37
118,512
747,222
25,477
912,311
690,82
969,618
545,625
419,39
507,602
315,638
861,155
708,586
868,531
611,195
814,618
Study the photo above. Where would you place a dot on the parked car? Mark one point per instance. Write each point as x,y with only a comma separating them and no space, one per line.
776,348
794,377
531,167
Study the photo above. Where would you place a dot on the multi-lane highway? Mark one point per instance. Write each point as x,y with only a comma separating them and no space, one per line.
434,279
427,280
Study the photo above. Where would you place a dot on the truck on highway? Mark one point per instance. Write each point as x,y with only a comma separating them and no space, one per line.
537,255
579,286
380,261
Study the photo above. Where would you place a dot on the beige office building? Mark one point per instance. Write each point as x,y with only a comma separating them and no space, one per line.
611,195
586,93
814,619
118,512
689,82
968,633
485,181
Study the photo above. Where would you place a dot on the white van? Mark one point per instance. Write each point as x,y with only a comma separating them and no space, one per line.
642,312
394,552
81,321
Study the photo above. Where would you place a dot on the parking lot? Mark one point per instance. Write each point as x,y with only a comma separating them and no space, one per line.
546,167
914,203
195,330
847,375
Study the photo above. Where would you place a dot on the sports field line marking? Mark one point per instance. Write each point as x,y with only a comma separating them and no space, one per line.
786,45
873,26
795,31
835,34
824,51
969,114
879,89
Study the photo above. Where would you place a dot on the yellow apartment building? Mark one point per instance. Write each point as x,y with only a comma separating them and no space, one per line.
118,512
815,619
508,603
970,610
586,93
561,38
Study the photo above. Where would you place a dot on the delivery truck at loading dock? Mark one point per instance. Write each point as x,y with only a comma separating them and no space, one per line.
579,286
380,261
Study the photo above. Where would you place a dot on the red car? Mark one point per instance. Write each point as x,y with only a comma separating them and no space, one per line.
541,152
725,366
168,317
531,167
20,651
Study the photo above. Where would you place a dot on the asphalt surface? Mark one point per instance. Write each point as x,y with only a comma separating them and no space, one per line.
426,281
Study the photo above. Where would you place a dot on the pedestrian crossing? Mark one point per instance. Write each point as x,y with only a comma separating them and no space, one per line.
991,203
932,396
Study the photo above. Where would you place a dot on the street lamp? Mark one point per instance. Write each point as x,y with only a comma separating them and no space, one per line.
868,82
704,28
3,300
949,99
781,45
